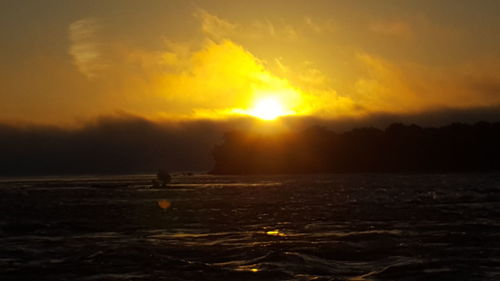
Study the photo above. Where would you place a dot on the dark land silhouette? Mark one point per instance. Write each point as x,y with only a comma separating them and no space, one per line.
399,148
125,144
108,146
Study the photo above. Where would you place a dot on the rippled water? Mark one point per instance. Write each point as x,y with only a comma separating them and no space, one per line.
321,227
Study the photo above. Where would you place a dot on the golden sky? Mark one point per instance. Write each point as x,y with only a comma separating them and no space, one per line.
70,61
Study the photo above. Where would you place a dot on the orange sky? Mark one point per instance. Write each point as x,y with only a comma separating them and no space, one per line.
68,62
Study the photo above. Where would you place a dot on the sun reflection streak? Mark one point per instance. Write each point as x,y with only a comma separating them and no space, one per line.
275,232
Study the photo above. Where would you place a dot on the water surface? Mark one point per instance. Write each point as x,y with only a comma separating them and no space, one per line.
314,227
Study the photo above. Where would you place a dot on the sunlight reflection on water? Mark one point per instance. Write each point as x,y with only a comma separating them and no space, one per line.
275,233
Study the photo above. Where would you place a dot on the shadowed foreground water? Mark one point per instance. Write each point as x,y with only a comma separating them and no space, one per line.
318,227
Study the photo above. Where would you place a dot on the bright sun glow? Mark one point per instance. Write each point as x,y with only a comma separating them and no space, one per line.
269,105
268,109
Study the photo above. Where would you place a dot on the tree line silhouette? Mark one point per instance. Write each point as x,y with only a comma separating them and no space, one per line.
399,148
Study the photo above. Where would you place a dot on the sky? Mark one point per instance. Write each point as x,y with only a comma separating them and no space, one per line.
66,62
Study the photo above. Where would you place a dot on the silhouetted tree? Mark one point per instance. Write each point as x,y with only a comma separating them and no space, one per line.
399,148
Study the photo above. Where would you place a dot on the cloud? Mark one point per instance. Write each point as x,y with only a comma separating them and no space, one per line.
222,78
487,86
218,77
398,29
116,144
388,86
209,77
215,26
218,28
83,47
322,26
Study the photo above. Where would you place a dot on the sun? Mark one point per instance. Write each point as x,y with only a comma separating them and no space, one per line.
270,104
268,108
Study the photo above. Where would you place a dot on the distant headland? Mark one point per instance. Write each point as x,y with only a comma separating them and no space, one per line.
399,148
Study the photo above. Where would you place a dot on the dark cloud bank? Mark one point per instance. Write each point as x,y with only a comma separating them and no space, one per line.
129,144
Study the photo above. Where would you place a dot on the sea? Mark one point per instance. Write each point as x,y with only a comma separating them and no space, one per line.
356,227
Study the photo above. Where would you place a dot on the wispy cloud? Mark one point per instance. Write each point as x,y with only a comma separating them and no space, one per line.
84,48
218,28
215,26
321,26
398,29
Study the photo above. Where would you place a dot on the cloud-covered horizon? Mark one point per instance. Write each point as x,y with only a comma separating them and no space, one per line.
125,143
